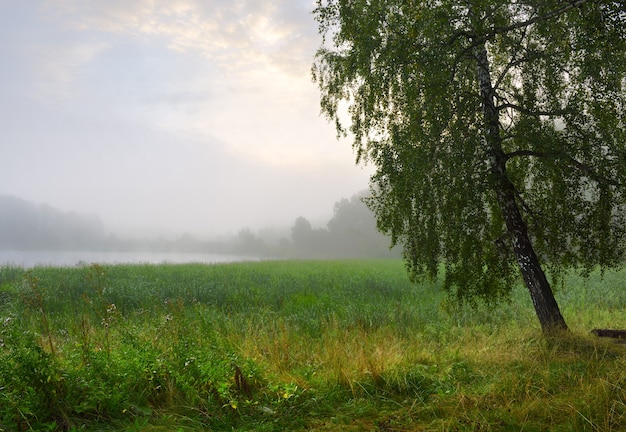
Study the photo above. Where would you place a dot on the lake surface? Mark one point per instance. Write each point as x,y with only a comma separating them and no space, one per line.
73,258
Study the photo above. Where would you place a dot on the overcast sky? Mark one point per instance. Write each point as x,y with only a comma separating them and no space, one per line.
182,115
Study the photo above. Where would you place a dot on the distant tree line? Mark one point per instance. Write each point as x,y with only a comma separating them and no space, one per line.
350,233
25,225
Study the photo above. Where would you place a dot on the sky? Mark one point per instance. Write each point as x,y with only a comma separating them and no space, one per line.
169,116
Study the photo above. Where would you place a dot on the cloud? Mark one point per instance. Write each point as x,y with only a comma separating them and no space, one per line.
231,33
56,69
181,97
236,70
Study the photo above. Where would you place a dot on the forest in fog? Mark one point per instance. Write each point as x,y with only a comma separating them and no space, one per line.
350,232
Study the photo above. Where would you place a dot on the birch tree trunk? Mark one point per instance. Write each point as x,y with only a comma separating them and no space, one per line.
545,304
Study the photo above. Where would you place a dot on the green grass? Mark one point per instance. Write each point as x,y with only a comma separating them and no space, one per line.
298,345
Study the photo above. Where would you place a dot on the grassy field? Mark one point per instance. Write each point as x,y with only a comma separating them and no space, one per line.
288,346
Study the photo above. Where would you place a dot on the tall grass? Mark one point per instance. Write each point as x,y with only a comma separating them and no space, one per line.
290,345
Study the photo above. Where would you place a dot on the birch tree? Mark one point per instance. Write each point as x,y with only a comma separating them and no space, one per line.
497,129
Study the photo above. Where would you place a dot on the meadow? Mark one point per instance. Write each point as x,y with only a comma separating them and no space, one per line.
299,345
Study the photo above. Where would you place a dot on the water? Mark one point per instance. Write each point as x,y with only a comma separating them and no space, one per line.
29,259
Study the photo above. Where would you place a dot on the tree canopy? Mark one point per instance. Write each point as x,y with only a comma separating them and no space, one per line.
497,129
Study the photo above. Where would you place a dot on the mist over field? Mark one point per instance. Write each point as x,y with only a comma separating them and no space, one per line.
164,118
69,238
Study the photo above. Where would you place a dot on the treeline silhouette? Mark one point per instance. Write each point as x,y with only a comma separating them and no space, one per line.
351,232
28,226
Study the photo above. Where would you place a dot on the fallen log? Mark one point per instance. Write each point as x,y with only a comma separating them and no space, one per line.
609,333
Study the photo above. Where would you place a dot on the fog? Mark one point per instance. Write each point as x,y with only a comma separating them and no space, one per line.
169,117
27,229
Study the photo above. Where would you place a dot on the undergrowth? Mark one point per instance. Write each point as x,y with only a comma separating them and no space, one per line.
316,345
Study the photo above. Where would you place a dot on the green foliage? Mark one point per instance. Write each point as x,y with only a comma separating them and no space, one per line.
288,345
408,73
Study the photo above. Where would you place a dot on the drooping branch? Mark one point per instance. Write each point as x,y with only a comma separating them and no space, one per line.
478,40
522,153
527,111
510,66
570,5
584,168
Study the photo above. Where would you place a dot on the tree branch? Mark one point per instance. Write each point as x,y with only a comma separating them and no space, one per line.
586,169
529,112
519,153
514,63
479,40
571,5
